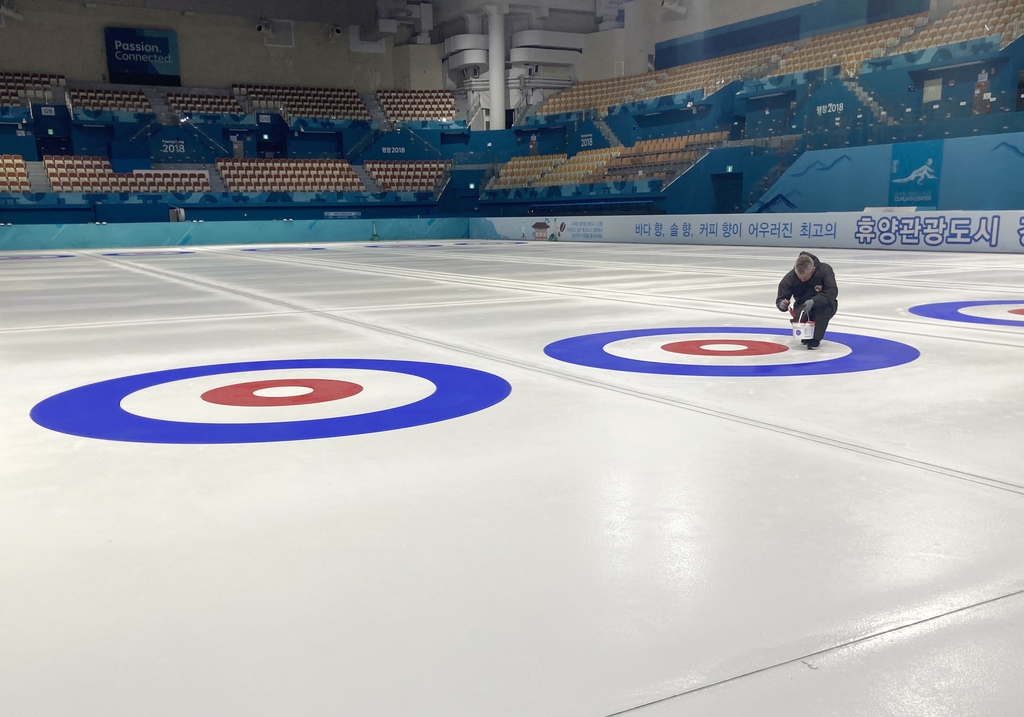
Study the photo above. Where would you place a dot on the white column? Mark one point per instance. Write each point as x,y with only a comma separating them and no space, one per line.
496,63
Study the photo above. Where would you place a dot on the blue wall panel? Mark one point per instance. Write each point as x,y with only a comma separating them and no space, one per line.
90,236
975,173
693,192
983,173
585,136
483,147
92,141
11,143
313,145
833,180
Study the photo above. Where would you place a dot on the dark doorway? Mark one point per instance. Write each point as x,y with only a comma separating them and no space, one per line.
53,145
271,150
739,128
728,189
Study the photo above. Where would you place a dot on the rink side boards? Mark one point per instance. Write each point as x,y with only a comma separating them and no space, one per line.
991,232
997,231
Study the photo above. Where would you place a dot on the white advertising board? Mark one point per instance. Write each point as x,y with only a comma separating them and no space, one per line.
991,232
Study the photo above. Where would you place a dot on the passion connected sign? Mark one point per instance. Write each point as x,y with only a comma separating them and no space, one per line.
142,57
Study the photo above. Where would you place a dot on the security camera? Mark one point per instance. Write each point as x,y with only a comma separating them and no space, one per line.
674,6
336,31
264,27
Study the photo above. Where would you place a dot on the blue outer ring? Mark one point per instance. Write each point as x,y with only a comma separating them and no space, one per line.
287,248
950,311
94,411
402,246
148,253
484,243
868,354
10,257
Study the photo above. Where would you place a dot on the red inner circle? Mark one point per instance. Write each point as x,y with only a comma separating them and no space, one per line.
1019,312
244,394
751,348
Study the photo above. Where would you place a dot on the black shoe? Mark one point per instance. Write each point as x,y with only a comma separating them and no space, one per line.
805,341
812,344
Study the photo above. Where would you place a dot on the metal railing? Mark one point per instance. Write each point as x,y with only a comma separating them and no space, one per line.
442,182
474,109
519,113
208,138
363,144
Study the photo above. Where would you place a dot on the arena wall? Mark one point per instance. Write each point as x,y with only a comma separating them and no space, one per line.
981,232
215,50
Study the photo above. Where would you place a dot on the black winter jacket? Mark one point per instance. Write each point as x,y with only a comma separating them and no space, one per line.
821,286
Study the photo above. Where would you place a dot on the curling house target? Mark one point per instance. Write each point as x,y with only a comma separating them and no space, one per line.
728,351
22,257
285,248
990,313
266,401
148,253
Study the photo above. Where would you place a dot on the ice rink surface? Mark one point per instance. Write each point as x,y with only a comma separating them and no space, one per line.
595,541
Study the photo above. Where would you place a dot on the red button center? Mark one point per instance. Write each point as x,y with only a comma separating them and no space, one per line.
244,394
700,347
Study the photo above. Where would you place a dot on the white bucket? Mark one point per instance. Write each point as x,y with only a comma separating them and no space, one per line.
803,330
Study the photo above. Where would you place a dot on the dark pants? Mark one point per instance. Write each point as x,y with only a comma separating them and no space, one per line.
821,315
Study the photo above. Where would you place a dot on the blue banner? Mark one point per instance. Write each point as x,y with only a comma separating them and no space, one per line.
914,174
142,57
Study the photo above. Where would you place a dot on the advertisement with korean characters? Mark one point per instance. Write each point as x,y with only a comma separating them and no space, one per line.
992,232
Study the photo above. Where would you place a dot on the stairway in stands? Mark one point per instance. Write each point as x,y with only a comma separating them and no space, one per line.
39,183
607,133
880,115
371,185
158,101
216,181
376,113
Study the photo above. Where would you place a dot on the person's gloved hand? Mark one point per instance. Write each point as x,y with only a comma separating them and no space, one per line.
808,305
783,304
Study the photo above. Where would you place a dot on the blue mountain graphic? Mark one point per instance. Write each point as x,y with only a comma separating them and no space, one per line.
1012,148
819,166
777,201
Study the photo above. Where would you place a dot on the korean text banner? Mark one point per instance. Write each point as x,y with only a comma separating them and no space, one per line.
995,232
142,57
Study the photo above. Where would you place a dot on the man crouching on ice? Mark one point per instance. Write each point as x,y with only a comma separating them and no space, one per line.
812,285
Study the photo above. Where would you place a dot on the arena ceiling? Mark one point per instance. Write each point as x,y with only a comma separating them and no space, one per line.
449,15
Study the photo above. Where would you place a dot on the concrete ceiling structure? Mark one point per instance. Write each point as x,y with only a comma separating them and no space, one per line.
328,12
406,20
573,16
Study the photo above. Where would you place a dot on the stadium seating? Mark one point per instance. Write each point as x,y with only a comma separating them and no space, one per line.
970,21
520,171
656,158
708,75
204,104
13,175
110,101
93,174
599,93
406,176
315,102
581,168
850,48
416,105
18,88
712,75
289,175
